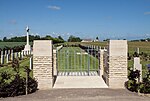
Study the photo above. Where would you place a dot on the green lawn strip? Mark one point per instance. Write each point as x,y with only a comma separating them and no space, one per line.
75,60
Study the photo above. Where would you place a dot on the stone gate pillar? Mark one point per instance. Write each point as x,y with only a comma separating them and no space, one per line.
117,61
42,63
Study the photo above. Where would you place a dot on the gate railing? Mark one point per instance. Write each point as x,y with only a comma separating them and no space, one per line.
75,59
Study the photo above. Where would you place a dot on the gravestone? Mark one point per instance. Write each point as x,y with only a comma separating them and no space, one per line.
42,63
117,64
2,59
5,52
137,63
138,66
22,54
7,58
31,63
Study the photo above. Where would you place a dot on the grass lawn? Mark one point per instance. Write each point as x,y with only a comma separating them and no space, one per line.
9,69
76,59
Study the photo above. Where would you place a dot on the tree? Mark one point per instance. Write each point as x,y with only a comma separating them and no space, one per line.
74,39
97,38
59,37
5,39
106,40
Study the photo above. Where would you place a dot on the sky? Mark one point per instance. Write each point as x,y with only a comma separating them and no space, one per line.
113,19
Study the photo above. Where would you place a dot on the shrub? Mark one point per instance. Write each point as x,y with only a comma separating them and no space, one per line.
134,85
145,85
16,86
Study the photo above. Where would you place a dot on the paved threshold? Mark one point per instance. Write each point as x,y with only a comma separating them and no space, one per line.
79,82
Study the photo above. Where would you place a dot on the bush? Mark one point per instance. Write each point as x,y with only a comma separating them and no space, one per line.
16,86
134,85
145,85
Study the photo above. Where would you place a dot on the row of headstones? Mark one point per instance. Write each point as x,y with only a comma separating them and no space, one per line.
9,55
94,47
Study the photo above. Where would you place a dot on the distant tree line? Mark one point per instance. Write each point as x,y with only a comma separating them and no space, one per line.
58,39
143,40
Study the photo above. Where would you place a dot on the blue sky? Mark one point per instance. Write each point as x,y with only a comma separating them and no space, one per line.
114,19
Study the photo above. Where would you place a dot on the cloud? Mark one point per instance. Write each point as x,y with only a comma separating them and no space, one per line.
54,7
146,13
14,22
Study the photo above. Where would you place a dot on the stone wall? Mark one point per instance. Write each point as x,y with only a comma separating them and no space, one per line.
115,72
43,63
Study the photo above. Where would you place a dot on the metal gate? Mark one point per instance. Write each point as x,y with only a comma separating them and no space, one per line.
78,61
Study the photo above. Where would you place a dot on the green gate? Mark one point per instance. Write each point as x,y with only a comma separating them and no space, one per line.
76,61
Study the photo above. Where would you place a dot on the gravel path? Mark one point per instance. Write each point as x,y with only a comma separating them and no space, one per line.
80,95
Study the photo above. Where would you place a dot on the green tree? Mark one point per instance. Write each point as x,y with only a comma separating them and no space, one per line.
5,39
59,37
97,38
74,39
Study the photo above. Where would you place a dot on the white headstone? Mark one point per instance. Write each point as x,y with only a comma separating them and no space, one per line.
31,62
2,59
138,66
7,58
136,62
5,52
22,54
12,55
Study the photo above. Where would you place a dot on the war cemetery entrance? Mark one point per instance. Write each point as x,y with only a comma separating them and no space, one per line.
78,61
79,66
